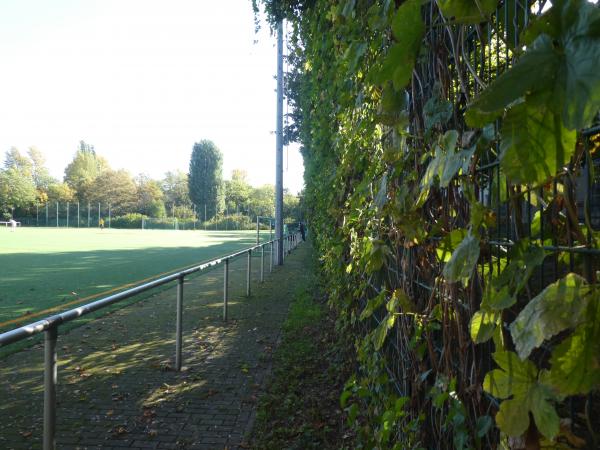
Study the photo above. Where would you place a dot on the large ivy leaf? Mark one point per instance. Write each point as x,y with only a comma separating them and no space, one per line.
514,377
517,382
576,360
515,83
574,27
560,306
563,53
408,29
462,262
468,11
534,143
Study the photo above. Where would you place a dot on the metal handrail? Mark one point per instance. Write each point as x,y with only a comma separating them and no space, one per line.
49,325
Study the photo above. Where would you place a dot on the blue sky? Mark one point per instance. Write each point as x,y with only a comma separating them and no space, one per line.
141,81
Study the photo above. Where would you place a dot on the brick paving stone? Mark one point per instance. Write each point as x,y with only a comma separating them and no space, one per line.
117,388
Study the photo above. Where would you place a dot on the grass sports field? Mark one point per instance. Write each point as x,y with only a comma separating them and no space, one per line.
56,269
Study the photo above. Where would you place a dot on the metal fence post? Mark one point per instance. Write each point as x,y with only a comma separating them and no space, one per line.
179,327
249,269
262,263
225,288
271,258
50,379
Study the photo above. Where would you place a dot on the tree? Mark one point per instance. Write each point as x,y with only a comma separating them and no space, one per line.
13,159
39,171
291,206
115,188
60,192
237,190
175,188
205,179
16,191
262,201
83,170
150,197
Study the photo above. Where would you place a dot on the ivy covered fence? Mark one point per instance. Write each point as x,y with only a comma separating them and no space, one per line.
451,150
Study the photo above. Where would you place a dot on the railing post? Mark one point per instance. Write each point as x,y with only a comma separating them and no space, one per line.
50,379
225,288
262,263
249,269
179,328
271,258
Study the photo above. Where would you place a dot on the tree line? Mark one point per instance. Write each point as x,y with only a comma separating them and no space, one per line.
26,183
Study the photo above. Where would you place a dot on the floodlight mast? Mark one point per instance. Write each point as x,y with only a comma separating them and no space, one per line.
279,148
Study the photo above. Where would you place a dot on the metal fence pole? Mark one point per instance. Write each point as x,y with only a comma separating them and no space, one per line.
67,214
46,214
225,288
249,269
257,231
50,379
56,214
262,263
88,214
78,218
271,258
179,328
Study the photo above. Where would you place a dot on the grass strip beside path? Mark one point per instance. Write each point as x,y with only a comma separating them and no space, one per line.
301,407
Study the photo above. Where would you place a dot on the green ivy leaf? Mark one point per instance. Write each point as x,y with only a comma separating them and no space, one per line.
436,111
515,83
382,329
468,11
576,360
449,243
544,414
513,418
372,305
560,306
482,325
462,262
564,50
483,425
497,300
519,380
574,28
515,377
535,145
524,258
408,29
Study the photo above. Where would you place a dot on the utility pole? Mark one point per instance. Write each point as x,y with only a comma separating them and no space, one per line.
279,148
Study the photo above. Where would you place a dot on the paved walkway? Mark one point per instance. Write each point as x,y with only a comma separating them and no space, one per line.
116,386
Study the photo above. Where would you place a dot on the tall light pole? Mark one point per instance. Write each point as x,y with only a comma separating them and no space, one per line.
279,148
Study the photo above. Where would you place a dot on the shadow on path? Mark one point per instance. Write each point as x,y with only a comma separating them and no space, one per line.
117,388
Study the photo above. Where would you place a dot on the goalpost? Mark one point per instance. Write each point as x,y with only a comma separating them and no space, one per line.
153,223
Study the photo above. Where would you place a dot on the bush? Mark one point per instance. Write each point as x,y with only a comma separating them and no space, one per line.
131,220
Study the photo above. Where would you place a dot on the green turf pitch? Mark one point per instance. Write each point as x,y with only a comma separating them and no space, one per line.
42,268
